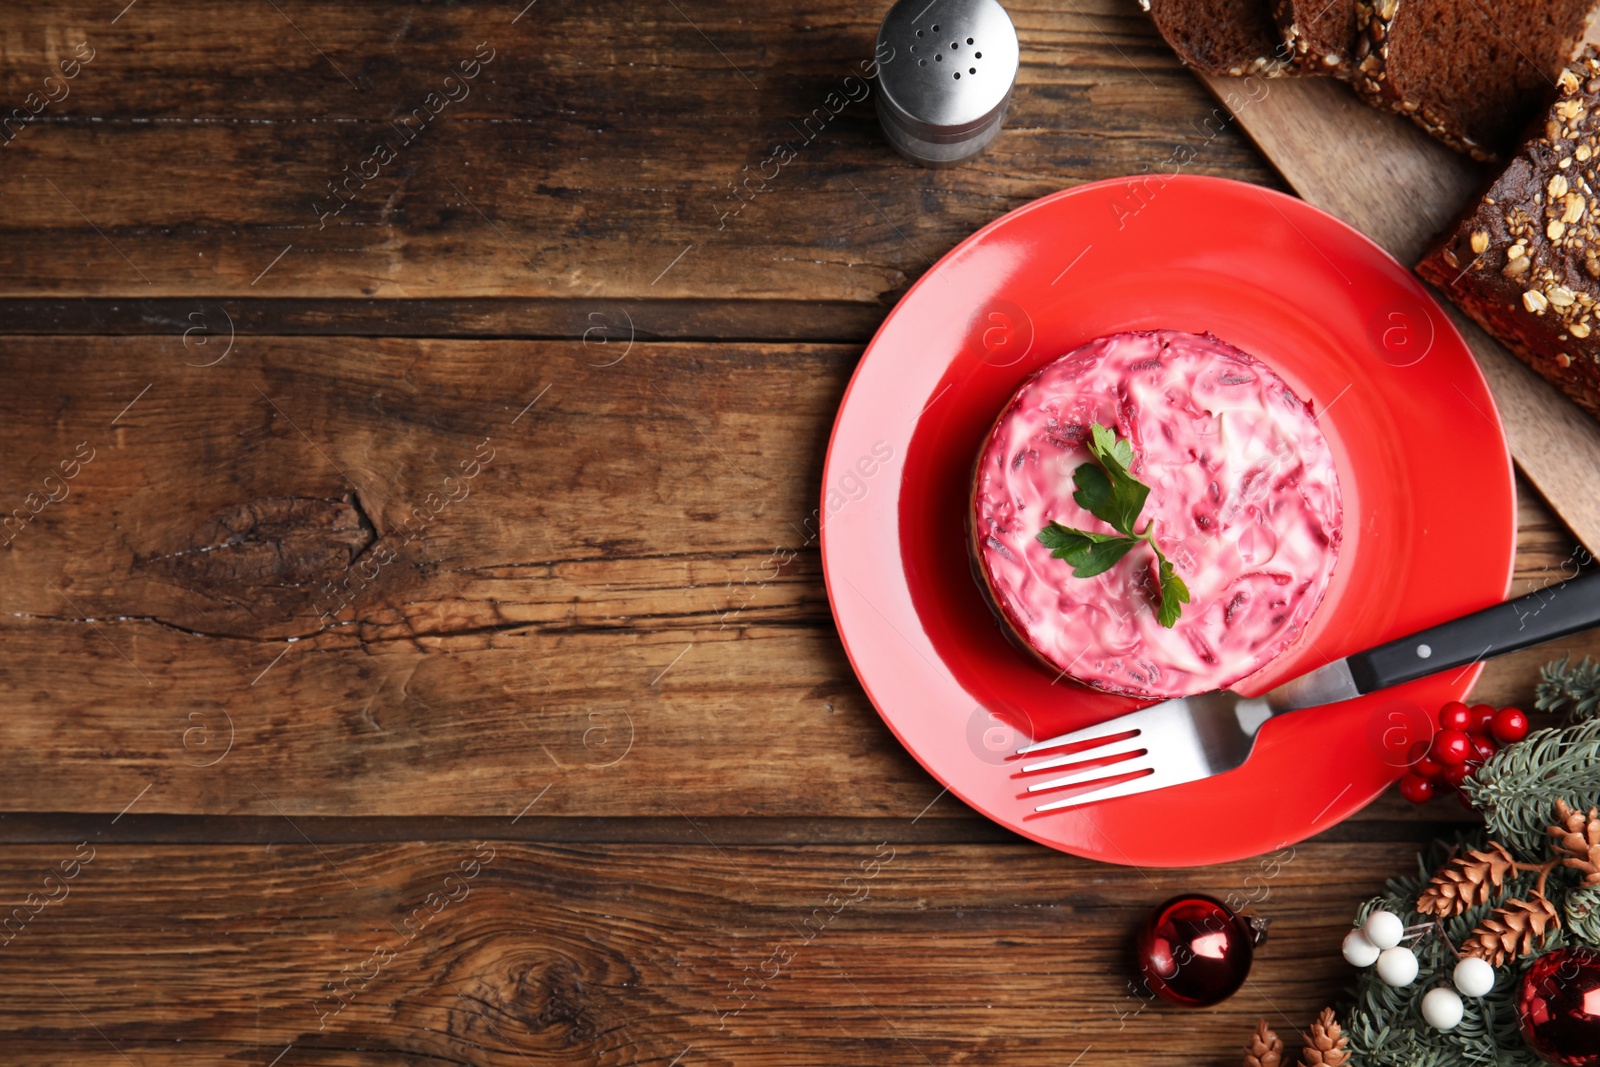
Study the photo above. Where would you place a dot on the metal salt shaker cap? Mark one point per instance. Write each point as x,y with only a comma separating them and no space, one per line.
946,68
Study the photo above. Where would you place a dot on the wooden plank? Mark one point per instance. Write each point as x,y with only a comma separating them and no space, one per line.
597,323
1379,172
1555,442
609,579
619,571
594,157
1388,819
1384,176
875,953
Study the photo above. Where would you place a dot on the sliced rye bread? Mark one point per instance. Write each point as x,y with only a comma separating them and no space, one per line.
1473,73
1320,35
1221,36
1525,260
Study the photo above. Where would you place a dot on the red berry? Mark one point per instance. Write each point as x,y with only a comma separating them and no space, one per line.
1509,725
1455,716
1483,748
1415,789
1451,747
1482,714
1457,773
1427,767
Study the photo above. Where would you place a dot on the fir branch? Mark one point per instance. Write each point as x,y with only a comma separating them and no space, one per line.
1385,1024
1518,787
1575,688
1517,790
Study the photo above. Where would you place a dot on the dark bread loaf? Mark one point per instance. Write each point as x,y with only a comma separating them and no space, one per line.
1221,36
1471,72
1320,35
1525,261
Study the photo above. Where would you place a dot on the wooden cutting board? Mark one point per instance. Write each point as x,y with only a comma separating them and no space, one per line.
1388,179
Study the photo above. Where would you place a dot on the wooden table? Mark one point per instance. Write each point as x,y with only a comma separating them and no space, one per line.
397,665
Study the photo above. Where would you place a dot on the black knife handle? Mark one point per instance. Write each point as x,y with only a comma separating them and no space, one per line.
1542,615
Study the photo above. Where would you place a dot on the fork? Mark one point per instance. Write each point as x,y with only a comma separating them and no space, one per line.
1190,738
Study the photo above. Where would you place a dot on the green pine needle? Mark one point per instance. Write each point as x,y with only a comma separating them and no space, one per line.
1575,688
1385,1024
1517,788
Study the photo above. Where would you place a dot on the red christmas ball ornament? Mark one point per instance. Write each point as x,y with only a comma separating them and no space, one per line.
1558,1007
1194,951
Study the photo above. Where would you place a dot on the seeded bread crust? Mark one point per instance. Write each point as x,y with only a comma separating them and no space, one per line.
1374,20
1371,76
1525,261
1242,41
1307,55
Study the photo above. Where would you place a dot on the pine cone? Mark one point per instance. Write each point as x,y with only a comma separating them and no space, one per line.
1578,840
1466,881
1325,1043
1514,929
1581,912
1264,1049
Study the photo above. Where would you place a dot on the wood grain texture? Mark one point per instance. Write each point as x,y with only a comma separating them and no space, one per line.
591,658
1378,171
609,611
1383,175
880,953
1555,442
596,148
1388,819
595,322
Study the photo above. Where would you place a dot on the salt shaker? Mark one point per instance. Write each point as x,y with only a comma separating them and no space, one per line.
946,68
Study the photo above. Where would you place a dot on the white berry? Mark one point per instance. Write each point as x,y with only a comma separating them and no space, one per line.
1441,1008
1384,929
1358,951
1397,966
1474,977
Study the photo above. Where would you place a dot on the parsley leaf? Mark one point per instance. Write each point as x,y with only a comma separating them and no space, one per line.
1114,496
1111,494
1174,594
1105,445
1089,553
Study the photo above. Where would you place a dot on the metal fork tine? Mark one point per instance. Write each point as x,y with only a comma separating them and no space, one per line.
1089,774
1158,780
1137,743
1134,720
1183,739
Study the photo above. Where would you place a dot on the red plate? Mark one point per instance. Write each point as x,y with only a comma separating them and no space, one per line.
1429,501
